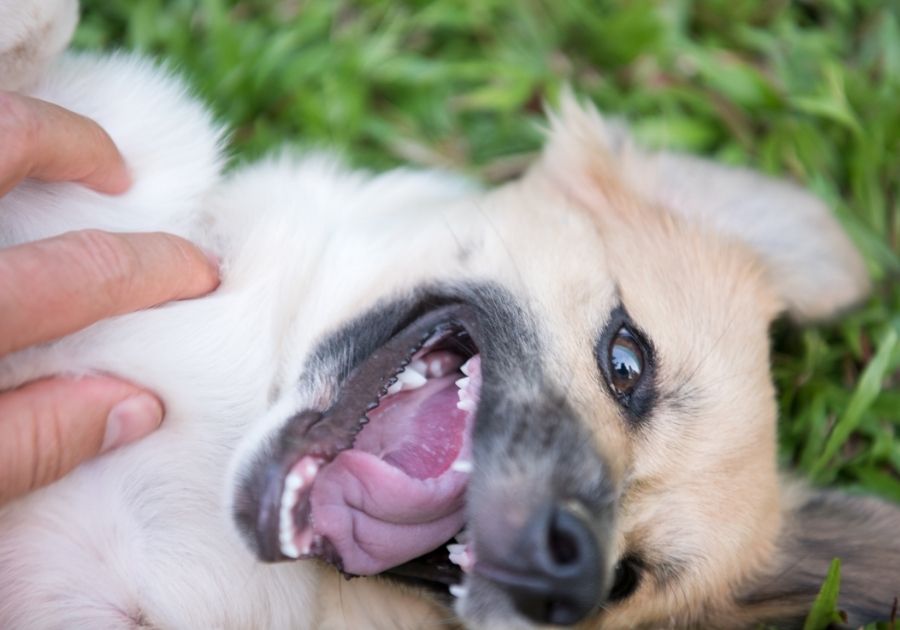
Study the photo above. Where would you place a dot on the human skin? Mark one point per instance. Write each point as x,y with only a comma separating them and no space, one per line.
59,285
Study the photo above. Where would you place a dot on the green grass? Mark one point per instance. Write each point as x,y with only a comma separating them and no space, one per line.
806,89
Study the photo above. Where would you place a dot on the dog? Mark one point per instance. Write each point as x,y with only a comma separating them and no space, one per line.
543,404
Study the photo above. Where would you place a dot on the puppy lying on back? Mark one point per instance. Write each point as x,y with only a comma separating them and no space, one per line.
568,374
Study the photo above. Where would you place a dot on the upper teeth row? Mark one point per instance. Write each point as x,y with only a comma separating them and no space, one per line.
416,374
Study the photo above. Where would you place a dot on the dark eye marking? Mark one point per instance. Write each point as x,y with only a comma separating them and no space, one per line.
626,578
626,360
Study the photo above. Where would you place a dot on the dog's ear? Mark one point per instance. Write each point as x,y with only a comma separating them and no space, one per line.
821,526
32,33
811,262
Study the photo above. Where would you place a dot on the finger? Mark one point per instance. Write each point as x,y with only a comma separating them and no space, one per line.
50,143
59,285
49,427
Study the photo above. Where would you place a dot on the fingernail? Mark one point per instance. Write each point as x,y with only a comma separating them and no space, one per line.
131,419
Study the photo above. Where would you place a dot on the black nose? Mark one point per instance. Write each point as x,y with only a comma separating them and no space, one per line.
554,573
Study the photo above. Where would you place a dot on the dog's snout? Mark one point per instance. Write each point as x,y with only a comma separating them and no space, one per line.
554,574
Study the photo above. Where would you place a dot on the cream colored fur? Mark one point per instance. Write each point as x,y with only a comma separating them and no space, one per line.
141,537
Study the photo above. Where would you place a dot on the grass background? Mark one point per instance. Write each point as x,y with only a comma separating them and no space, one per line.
809,90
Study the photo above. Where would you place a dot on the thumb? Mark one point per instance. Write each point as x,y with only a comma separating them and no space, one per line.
49,427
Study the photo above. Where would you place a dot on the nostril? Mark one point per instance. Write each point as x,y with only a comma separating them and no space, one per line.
561,542
569,544
554,573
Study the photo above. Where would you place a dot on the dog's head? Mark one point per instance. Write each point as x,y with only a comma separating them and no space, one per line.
569,374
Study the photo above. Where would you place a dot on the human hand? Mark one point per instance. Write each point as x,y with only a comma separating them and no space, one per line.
57,286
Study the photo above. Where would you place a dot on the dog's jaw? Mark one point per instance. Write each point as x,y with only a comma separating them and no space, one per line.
378,477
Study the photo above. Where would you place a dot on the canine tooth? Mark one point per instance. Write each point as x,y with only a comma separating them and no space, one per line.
293,482
456,548
458,590
462,465
466,405
463,382
464,368
289,549
411,379
395,388
310,469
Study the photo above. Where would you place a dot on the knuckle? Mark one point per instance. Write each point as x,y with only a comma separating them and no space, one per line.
33,439
18,126
46,445
107,258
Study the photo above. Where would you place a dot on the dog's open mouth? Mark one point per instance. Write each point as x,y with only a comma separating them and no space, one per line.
379,479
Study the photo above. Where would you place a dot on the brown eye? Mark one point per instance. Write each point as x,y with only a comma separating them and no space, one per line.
626,362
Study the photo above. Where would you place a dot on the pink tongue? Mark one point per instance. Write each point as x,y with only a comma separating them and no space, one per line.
393,496
419,431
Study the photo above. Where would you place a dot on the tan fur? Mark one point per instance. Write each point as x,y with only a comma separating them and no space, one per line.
377,605
701,496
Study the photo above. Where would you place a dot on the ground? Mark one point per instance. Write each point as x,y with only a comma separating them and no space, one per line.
808,90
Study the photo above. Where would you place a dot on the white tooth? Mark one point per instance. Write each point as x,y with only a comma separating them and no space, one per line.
466,405
463,382
293,482
464,368
418,366
411,379
288,500
460,560
310,469
288,549
456,549
436,368
458,590
396,387
462,465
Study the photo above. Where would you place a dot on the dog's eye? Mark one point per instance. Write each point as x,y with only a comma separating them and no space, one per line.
626,359
626,362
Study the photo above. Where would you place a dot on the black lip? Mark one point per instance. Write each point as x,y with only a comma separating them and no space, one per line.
324,434
432,571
